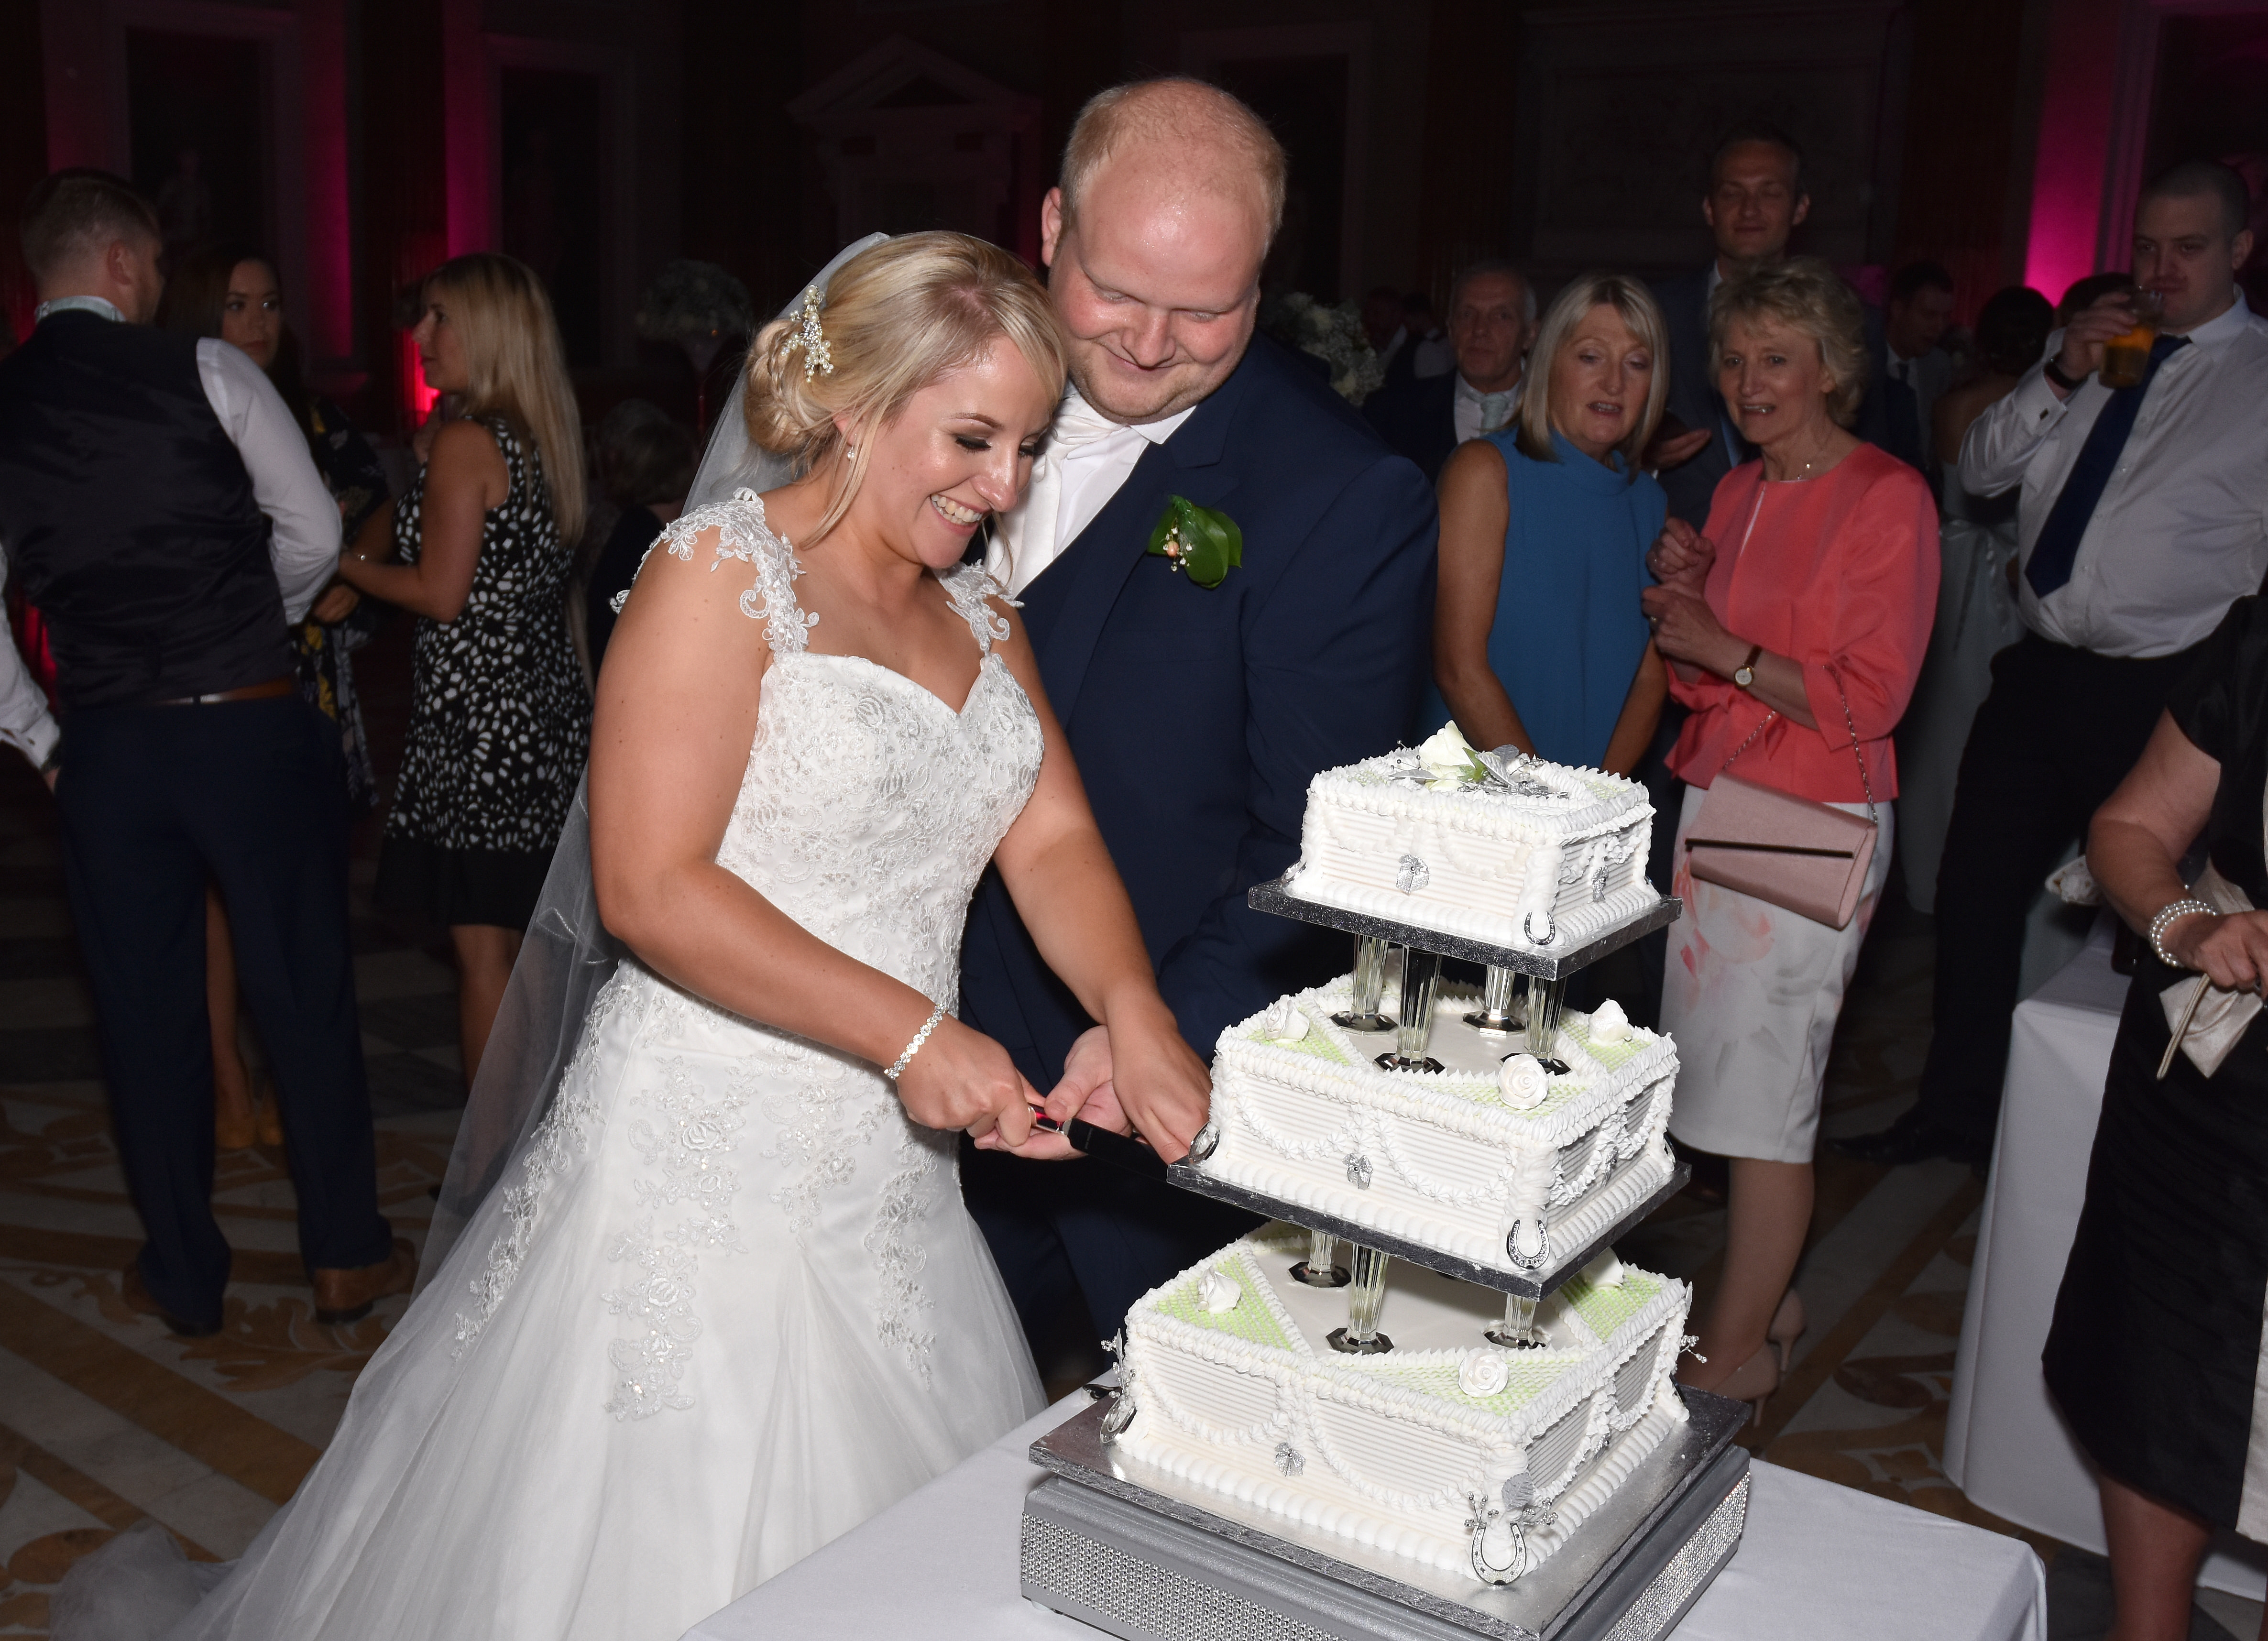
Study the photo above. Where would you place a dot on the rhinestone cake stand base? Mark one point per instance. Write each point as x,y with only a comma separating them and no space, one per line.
1120,1545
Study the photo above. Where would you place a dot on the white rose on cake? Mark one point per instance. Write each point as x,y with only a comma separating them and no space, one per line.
1218,1291
1449,759
1482,1374
1523,1082
1609,1024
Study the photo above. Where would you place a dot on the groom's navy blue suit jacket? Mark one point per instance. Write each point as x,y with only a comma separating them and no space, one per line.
1197,716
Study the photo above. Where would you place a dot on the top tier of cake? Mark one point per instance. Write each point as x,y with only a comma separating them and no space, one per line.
1512,852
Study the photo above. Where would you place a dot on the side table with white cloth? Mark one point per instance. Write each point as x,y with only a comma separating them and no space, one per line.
1817,1562
2006,1446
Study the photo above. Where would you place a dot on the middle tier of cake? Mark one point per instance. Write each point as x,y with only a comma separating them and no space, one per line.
1514,1178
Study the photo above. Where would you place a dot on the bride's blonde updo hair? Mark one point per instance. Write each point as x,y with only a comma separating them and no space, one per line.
892,320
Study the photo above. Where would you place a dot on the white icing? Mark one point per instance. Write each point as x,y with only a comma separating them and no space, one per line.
1605,1271
1523,1082
1562,850
1609,1024
1383,1461
1482,1374
1450,1163
1219,1292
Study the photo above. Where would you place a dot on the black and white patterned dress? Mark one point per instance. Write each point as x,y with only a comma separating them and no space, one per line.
499,720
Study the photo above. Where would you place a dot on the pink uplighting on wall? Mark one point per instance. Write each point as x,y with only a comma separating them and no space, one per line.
2082,70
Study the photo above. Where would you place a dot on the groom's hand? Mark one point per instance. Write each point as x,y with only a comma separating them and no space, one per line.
1084,1091
1156,1078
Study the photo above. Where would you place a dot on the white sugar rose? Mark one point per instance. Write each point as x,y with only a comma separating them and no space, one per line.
1284,1023
1523,1082
1218,1291
1605,1271
1609,1024
1482,1374
1449,759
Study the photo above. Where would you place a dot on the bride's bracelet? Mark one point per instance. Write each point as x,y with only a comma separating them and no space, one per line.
914,1047
2167,916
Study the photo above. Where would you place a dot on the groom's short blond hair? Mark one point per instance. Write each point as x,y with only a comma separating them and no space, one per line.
1177,109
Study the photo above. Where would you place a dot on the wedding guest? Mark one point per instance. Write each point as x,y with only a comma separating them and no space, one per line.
499,718
1553,513
1431,354
159,507
1385,325
2143,515
1909,370
1977,615
1794,625
1197,715
1491,322
644,460
2154,1354
1754,200
232,293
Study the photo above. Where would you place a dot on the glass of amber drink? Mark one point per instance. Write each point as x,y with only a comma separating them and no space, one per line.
2127,357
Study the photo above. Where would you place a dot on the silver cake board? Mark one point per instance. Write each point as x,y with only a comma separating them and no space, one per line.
1121,1546
1273,897
1192,1177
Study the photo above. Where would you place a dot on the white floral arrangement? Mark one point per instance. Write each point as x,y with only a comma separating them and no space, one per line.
1333,334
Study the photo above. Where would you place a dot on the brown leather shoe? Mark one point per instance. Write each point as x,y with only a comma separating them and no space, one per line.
345,1295
136,1294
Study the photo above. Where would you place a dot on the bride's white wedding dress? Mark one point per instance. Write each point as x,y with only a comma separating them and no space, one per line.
726,1303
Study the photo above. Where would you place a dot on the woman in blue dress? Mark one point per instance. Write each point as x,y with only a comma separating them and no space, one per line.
1538,639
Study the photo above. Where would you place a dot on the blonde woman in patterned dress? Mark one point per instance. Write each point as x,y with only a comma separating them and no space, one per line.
500,722
726,1303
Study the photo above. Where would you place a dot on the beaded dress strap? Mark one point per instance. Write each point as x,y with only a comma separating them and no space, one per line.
743,533
969,586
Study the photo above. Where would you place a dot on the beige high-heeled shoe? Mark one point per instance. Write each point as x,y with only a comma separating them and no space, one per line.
1754,1381
1788,1323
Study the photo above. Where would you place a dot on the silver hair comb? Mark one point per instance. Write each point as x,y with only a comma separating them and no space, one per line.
818,357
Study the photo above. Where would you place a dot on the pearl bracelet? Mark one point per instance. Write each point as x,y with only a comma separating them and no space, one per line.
2168,916
914,1047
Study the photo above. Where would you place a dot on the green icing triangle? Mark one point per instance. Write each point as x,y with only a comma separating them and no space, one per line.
1248,1320
1527,1378
1603,1310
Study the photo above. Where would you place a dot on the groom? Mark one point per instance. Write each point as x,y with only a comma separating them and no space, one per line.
1197,715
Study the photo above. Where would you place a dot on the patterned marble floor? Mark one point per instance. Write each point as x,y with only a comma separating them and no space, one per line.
105,1419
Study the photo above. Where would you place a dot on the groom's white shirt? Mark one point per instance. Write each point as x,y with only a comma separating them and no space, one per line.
1086,458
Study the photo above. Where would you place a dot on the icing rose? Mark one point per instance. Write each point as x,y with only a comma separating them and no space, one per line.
1284,1022
1523,1082
1482,1374
1609,1024
1605,1271
1218,1292
1449,759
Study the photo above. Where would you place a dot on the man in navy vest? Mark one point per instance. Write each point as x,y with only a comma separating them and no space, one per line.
1198,714
160,509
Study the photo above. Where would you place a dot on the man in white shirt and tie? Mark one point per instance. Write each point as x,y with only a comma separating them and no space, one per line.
2143,515
1491,322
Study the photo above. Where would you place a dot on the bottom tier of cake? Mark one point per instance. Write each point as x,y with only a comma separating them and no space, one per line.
1446,1449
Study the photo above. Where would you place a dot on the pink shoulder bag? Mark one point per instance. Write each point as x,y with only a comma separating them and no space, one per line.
1809,857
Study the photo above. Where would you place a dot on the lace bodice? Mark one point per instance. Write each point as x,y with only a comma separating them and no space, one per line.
928,792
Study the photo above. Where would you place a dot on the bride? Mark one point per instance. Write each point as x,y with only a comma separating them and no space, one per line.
726,1303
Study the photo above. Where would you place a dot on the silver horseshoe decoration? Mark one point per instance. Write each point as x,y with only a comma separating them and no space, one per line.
1523,1262
1206,1142
1488,1571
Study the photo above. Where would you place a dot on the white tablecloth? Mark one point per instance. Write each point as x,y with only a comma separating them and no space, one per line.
2006,1446
1818,1562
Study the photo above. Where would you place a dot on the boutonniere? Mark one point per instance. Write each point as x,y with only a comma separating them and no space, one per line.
1205,543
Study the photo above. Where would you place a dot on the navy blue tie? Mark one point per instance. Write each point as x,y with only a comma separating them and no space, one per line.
2057,549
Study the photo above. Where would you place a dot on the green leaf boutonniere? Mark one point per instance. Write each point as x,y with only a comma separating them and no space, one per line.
1205,543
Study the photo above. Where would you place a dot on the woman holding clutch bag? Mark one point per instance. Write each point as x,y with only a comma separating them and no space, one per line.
2155,1356
1794,625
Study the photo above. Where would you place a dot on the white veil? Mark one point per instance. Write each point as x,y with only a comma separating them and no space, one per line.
568,955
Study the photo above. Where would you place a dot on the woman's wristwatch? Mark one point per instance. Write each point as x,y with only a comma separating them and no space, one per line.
1745,674
2170,914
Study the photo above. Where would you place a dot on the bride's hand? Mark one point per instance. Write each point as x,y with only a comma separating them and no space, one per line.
962,1080
1152,1077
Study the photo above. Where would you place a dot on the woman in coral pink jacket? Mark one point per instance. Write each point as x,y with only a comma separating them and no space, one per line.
1795,627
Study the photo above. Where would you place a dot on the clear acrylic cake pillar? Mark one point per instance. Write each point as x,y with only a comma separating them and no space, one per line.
1360,1336
1495,1012
1518,1330
1320,1269
1369,987
1544,997
1421,976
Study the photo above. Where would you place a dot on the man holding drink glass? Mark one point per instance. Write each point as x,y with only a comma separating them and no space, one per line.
2141,446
